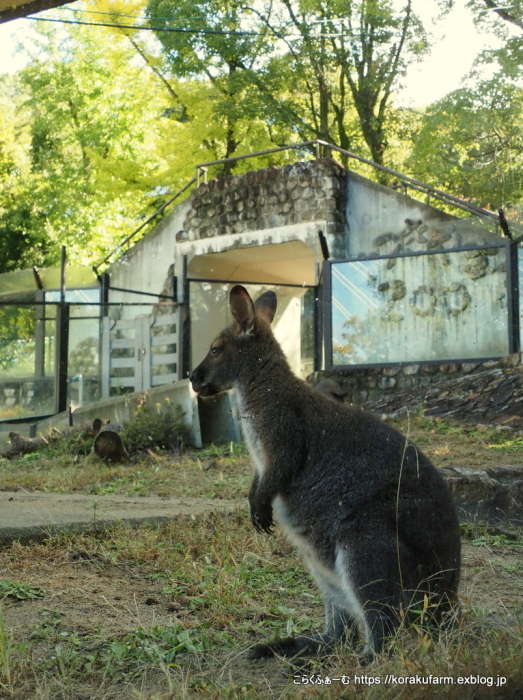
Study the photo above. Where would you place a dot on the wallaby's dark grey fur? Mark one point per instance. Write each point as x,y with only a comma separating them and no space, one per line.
371,515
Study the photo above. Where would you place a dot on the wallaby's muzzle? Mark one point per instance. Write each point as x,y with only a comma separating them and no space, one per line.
199,386
212,376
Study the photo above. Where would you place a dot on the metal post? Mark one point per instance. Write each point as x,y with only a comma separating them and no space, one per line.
104,346
327,314
105,283
63,258
513,298
61,359
185,315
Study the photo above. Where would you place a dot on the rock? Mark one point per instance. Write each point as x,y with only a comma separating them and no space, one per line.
479,496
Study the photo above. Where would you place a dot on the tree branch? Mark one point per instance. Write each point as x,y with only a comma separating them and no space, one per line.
155,70
503,13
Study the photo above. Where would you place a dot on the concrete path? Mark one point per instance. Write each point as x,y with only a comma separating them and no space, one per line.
28,516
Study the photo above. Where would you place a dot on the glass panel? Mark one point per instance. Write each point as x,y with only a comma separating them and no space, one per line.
17,283
209,304
428,307
307,333
520,283
25,388
78,296
84,354
74,277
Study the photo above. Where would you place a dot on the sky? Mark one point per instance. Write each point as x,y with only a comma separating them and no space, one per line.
456,43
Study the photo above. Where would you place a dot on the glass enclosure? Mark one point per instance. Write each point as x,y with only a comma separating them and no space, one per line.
293,324
25,386
83,357
440,306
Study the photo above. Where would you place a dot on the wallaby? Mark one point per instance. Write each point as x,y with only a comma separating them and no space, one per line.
371,515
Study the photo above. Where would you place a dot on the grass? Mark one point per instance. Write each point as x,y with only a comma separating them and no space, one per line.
167,612
223,471
5,656
452,444
216,472
229,588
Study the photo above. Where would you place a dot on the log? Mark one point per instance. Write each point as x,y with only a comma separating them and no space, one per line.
22,445
108,444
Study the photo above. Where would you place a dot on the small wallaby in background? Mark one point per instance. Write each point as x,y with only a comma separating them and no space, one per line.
372,517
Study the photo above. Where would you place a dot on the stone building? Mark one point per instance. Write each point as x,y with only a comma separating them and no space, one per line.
405,283
375,288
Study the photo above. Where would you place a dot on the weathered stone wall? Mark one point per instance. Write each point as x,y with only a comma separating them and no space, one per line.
276,196
360,385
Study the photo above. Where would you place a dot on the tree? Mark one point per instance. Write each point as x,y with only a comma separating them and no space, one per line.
23,239
88,162
505,20
471,143
321,70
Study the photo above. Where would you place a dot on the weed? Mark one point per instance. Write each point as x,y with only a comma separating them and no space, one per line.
5,655
148,645
155,428
21,591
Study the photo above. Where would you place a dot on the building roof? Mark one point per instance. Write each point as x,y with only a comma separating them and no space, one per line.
14,9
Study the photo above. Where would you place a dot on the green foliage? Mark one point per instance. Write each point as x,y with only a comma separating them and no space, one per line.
155,428
471,143
81,152
17,328
308,68
20,591
505,20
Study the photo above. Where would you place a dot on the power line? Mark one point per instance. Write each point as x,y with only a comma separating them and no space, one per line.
178,30
118,14
75,10
141,27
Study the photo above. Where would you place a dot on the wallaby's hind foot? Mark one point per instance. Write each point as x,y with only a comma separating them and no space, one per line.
292,647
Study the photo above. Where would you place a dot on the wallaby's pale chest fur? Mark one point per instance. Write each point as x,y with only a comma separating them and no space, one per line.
370,514
252,440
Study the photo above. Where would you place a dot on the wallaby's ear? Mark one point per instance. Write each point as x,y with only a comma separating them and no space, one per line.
242,308
266,305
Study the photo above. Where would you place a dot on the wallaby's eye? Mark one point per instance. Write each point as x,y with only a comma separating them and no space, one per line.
215,350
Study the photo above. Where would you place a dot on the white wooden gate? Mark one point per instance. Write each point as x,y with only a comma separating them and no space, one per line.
140,353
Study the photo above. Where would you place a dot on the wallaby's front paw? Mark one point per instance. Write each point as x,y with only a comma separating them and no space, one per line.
262,519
